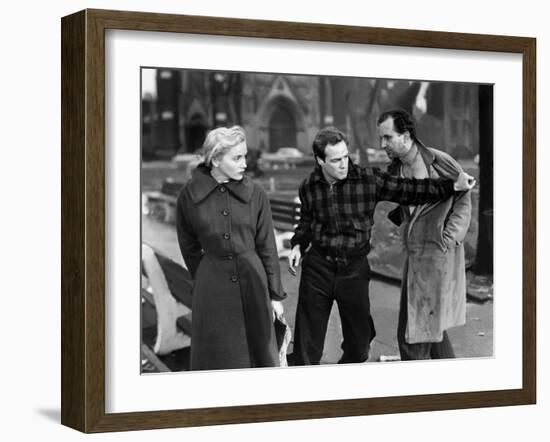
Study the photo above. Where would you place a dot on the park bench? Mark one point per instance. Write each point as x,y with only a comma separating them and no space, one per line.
286,215
161,205
166,287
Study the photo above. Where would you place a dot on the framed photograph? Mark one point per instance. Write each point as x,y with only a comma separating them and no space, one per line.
140,93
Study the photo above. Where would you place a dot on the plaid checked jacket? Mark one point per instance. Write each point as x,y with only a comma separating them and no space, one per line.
337,219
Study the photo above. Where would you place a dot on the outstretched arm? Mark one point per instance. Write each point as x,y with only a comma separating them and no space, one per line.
418,191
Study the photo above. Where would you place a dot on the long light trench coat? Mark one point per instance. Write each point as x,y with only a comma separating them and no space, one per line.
434,275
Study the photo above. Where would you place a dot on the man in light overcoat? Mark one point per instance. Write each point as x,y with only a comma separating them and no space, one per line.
433,291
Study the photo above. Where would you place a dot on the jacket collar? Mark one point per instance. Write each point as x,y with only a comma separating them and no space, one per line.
202,184
353,173
427,156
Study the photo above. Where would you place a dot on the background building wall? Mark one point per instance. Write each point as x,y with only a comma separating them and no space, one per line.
287,110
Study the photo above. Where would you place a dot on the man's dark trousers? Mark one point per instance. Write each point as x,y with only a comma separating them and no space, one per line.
323,281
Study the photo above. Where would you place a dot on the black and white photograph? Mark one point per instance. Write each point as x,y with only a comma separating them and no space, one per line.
275,221
379,169
299,220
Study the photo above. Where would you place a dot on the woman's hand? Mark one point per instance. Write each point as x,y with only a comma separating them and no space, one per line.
278,309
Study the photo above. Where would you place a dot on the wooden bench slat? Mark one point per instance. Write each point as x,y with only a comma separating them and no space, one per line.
285,216
171,188
154,197
286,203
291,222
285,212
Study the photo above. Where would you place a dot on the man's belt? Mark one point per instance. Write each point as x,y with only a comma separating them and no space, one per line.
340,258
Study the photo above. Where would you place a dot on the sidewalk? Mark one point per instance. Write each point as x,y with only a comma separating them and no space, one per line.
474,339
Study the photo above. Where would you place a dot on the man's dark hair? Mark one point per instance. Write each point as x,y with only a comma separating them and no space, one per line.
327,135
402,122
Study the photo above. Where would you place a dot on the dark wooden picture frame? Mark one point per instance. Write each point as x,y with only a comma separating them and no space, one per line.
83,220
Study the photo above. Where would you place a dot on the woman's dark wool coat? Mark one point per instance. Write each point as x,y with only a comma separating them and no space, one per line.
226,238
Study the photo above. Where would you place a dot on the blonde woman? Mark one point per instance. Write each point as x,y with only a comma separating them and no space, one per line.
226,238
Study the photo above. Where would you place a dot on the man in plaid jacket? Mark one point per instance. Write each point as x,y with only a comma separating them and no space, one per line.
337,208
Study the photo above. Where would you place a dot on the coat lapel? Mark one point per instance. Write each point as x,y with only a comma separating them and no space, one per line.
242,189
202,184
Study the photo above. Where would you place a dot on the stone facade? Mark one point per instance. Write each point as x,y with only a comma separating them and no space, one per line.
280,110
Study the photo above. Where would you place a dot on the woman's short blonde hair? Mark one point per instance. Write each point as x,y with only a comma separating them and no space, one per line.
218,141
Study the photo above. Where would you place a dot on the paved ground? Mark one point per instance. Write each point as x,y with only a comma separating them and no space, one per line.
475,339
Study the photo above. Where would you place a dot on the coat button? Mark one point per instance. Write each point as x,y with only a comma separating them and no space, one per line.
226,236
230,257
225,212
222,189
234,278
